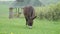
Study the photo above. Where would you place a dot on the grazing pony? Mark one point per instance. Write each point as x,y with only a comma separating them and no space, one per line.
29,14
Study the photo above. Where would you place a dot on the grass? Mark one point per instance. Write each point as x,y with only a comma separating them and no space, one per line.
17,25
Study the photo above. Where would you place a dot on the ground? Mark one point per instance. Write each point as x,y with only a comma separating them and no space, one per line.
17,25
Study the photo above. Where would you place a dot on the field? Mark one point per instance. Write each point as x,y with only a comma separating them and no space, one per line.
17,25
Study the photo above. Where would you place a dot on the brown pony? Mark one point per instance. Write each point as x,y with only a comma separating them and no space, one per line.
29,14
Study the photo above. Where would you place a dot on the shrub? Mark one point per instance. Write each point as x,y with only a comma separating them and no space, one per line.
51,12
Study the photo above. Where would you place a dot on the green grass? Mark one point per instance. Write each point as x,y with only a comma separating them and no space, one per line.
17,25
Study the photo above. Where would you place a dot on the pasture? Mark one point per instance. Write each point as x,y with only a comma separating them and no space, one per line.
17,25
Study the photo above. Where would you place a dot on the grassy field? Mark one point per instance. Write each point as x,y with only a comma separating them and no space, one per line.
17,25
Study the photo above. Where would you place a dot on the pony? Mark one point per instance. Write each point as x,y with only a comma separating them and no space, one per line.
29,14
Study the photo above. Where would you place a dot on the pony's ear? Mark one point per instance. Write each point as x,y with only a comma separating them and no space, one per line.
34,17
